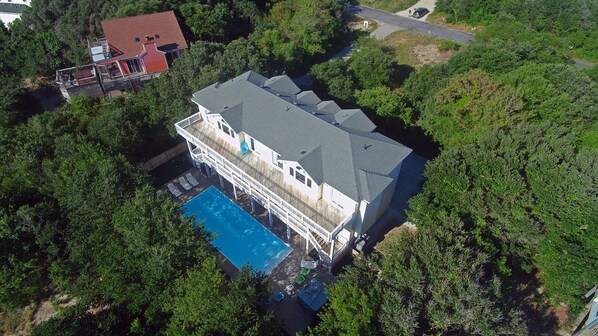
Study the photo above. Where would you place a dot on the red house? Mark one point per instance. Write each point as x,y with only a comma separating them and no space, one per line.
138,45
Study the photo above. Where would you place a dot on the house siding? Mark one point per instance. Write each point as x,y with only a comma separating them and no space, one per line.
370,212
313,191
340,200
234,139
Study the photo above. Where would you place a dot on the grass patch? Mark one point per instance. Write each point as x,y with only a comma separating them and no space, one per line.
415,49
17,321
388,5
439,18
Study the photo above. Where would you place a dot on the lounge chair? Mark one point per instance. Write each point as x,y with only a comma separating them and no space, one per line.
184,183
192,179
174,190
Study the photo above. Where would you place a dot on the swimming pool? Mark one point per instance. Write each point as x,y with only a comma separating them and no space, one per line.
239,237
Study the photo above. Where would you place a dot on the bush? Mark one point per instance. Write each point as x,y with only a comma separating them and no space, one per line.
446,45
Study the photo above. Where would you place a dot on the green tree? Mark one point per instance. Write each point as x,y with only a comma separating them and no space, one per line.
372,65
152,244
527,199
434,284
208,22
337,79
470,105
354,303
385,101
295,29
206,303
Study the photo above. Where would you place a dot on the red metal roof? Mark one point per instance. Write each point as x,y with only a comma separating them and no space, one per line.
161,28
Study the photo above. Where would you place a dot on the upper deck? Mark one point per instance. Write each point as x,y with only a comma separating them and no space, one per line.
264,182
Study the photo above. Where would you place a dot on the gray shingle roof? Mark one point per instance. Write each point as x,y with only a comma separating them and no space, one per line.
354,119
334,146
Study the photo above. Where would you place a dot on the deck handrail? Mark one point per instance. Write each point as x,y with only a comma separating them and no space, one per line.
323,255
299,216
341,226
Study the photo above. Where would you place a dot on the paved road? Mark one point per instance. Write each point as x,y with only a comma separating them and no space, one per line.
412,24
426,28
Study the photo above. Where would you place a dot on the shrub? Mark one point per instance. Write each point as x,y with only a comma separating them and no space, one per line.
446,45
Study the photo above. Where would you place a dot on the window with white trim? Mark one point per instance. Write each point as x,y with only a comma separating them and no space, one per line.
276,160
300,176
227,130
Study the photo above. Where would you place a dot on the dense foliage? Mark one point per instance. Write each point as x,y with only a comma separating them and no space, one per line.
298,29
568,25
511,199
512,196
77,216
424,283
206,303
369,78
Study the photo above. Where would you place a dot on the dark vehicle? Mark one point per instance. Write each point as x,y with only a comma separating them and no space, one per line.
420,12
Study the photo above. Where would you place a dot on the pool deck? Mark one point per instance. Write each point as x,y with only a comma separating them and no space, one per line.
291,315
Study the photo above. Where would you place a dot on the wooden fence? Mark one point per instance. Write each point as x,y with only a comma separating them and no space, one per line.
160,159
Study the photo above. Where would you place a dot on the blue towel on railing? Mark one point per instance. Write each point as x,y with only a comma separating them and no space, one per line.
244,147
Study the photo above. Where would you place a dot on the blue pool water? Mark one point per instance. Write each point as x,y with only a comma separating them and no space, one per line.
239,236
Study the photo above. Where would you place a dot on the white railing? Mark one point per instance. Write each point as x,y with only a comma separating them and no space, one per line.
254,187
323,254
341,226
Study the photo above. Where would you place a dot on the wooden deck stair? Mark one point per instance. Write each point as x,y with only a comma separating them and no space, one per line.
325,246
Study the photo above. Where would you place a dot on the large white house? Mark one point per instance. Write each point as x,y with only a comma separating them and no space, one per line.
322,170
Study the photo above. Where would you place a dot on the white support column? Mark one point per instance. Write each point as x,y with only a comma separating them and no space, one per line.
221,181
270,219
307,242
235,192
251,201
288,232
119,68
331,253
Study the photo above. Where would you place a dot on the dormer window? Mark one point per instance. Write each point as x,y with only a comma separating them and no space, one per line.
296,173
300,177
